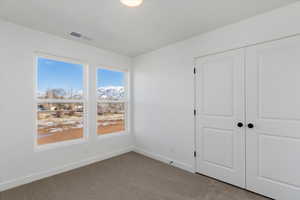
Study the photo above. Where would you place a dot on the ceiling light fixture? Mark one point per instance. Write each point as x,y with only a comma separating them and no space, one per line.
132,3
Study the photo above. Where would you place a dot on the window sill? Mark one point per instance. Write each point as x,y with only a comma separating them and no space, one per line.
57,145
111,135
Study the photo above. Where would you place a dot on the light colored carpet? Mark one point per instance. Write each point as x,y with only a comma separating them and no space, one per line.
128,177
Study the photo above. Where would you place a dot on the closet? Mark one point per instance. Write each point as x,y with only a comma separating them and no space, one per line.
248,117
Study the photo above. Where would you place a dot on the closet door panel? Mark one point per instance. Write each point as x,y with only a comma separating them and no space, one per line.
273,106
220,106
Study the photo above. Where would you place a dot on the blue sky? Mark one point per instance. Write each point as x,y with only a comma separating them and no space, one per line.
57,74
109,78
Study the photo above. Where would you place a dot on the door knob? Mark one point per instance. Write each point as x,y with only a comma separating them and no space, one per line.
240,124
250,125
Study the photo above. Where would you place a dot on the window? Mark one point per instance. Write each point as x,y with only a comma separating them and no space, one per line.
60,96
111,101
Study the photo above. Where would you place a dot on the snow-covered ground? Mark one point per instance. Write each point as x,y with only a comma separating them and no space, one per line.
53,125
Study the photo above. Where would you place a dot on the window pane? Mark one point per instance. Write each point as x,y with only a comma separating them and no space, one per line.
110,118
110,85
59,122
59,80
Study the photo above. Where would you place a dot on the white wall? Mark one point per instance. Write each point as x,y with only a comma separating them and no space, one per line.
19,162
163,95
163,83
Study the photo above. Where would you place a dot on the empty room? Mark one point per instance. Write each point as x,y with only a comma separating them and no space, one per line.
150,100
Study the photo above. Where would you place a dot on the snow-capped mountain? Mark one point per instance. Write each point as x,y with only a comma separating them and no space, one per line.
103,93
59,93
110,93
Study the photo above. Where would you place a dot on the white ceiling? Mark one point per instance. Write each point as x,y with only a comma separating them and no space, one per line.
132,31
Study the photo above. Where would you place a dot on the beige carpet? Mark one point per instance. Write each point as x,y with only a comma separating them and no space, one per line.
128,177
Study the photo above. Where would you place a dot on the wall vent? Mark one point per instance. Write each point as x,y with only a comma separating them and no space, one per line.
75,34
79,35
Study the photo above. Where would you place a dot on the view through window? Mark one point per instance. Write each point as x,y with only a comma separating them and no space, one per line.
111,101
60,101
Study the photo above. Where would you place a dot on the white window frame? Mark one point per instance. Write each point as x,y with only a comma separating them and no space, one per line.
84,101
126,102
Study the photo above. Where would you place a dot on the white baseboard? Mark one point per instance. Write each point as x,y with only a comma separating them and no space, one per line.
40,175
37,176
164,159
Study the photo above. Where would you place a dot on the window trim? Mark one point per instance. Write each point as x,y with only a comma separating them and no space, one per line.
84,101
126,101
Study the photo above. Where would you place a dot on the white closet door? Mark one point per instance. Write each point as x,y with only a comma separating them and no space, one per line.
273,106
220,106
